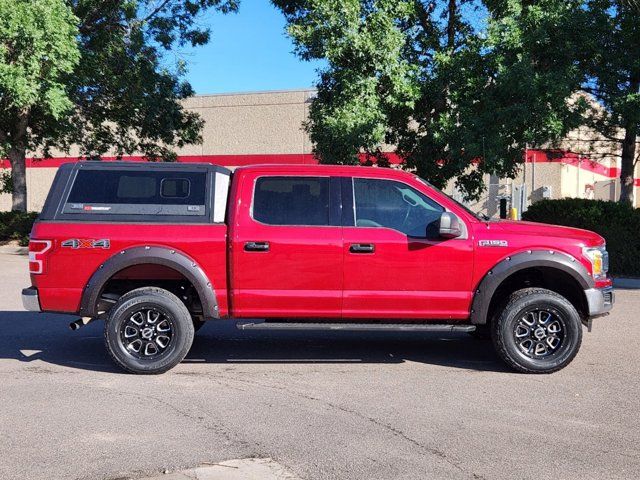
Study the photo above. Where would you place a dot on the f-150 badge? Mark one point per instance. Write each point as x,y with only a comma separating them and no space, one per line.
76,243
493,243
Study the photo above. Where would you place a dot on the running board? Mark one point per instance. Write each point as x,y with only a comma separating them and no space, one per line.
356,327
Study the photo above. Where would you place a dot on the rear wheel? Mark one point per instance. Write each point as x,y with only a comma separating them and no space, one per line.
149,330
539,331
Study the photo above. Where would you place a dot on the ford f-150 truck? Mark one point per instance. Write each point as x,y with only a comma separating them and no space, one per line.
155,250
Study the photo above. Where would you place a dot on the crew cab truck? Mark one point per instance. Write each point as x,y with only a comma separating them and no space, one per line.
155,250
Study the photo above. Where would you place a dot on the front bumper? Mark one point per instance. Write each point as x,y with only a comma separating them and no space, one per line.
600,301
30,300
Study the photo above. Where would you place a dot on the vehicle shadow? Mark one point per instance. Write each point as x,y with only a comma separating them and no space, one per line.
27,337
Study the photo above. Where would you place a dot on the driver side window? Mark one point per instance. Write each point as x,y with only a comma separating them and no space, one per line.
391,204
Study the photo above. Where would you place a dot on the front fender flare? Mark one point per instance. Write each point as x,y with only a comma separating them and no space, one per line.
530,259
151,255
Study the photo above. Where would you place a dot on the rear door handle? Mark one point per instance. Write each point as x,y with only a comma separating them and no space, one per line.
256,247
362,248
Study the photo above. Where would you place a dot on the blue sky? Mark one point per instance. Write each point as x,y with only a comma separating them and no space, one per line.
248,51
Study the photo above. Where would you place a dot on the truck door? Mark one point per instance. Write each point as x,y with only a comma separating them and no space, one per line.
286,257
395,264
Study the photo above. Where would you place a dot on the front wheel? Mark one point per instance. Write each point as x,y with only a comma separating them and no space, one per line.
539,331
149,330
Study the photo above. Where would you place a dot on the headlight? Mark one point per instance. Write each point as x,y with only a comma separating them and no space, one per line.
599,259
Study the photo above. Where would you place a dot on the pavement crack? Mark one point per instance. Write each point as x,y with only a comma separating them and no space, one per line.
390,428
425,449
200,420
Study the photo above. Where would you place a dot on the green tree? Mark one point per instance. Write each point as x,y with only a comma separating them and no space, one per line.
451,83
119,92
37,48
612,65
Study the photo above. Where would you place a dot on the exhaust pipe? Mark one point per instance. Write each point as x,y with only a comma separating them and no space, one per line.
81,322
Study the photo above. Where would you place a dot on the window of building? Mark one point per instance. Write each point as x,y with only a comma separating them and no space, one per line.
291,201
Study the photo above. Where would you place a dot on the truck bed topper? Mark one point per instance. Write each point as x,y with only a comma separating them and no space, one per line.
138,192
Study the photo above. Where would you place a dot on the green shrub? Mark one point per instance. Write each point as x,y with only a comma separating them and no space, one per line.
618,223
16,226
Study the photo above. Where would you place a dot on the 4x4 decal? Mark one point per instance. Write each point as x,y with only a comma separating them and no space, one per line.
76,243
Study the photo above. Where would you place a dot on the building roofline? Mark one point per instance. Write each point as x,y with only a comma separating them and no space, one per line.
256,92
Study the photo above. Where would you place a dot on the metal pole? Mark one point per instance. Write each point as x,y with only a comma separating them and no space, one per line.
533,173
523,188
524,177
484,154
578,185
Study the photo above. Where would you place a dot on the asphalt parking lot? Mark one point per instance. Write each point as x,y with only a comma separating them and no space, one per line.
330,405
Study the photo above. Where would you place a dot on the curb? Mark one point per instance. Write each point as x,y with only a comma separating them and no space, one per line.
244,469
626,283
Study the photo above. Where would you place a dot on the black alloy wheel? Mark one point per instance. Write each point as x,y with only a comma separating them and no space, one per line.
537,331
149,330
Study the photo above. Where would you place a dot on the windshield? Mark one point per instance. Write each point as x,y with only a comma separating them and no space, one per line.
480,216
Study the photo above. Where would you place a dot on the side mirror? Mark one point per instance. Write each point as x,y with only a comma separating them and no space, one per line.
450,225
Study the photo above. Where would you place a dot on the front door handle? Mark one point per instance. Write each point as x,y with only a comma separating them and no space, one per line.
362,248
256,247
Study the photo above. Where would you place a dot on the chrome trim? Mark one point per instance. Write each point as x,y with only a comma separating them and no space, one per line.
599,300
30,300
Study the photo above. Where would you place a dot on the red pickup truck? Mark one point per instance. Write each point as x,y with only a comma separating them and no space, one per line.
157,249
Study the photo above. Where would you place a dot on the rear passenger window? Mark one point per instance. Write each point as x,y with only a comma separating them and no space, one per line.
291,200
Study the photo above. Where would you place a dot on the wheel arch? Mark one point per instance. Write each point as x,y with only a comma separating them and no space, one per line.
153,255
572,277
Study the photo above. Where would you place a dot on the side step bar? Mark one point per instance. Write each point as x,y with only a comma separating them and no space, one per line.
356,327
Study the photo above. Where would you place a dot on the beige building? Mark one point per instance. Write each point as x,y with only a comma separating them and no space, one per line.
266,127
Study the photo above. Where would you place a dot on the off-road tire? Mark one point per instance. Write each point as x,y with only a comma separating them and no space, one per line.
508,324
173,312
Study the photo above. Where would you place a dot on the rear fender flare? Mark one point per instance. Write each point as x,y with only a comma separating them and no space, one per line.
529,259
149,255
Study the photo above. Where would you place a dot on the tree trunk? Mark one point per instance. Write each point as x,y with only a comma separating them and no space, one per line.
17,155
19,179
451,25
627,164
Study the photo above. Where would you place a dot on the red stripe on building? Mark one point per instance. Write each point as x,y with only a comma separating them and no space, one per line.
536,156
570,158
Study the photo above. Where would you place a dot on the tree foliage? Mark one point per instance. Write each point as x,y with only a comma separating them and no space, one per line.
126,89
451,83
367,78
612,67
117,86
37,50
